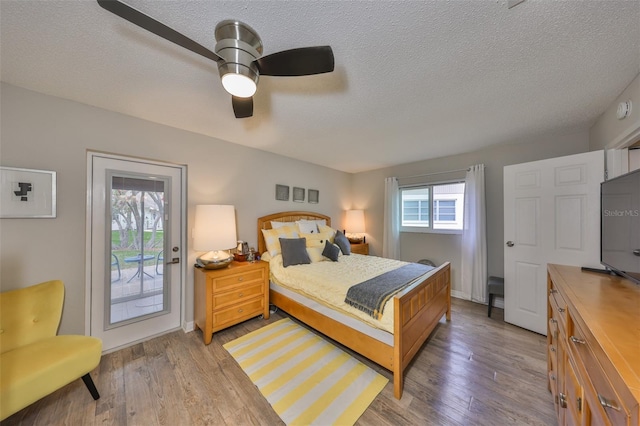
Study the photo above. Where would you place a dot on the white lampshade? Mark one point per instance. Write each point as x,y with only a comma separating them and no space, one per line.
215,228
355,221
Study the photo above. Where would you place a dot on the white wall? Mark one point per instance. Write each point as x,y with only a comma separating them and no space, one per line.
608,131
49,133
368,190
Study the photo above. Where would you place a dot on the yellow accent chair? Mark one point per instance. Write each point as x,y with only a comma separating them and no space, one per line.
34,361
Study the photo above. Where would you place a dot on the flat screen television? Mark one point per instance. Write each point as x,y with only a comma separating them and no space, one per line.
620,225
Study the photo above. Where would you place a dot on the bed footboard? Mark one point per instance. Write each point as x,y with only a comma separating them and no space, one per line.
417,311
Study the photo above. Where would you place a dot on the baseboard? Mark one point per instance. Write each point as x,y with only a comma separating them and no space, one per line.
498,302
460,295
188,326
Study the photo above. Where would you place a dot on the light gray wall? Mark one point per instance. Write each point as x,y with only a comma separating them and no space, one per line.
368,190
608,131
49,133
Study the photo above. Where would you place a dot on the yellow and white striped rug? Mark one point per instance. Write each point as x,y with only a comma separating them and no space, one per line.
307,380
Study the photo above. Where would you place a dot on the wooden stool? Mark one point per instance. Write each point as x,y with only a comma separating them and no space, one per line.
495,286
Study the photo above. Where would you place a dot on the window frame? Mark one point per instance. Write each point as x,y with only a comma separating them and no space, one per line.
432,211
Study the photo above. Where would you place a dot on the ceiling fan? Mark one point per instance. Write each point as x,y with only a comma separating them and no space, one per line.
238,53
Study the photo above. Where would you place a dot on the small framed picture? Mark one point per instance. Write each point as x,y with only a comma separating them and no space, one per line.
27,193
314,196
282,192
298,194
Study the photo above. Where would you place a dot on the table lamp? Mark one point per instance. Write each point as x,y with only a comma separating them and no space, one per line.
215,233
355,226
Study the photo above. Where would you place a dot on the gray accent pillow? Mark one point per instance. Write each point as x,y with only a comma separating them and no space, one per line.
294,251
343,243
331,251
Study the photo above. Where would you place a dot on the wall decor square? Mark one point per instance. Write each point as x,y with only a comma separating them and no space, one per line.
27,193
282,192
298,194
314,196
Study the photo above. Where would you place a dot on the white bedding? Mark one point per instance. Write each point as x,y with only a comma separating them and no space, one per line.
327,282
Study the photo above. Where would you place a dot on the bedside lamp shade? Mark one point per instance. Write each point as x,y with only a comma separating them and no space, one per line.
214,232
355,225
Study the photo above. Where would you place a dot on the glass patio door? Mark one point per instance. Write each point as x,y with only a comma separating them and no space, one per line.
136,244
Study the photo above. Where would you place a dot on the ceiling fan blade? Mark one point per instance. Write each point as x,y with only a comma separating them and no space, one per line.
158,28
295,62
242,107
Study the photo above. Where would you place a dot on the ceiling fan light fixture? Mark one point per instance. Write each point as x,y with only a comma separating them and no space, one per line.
238,80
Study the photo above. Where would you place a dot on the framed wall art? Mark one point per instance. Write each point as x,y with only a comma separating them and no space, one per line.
27,193
314,196
298,194
282,192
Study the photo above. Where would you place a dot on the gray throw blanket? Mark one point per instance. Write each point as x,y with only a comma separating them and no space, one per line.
371,296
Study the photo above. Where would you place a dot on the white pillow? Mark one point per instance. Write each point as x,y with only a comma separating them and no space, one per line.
276,225
307,226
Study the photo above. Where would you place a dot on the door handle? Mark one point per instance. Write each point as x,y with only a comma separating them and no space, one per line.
173,260
510,244
636,252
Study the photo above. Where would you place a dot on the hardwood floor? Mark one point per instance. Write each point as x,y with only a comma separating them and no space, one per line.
474,370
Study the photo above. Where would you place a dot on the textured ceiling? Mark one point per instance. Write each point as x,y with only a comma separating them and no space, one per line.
414,79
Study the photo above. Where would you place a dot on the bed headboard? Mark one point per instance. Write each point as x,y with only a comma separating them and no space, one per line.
264,222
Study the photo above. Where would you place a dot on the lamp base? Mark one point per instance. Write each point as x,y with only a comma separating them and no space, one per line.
218,260
355,238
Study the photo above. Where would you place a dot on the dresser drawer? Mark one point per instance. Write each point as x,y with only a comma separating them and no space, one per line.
237,313
606,405
559,307
221,299
241,278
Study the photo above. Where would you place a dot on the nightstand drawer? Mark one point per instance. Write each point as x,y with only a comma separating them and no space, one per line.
237,313
243,278
247,291
362,248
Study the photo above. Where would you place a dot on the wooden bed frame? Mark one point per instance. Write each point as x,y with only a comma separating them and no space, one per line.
418,310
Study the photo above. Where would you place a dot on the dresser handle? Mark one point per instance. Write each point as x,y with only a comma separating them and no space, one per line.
240,311
563,400
241,294
574,339
561,310
553,321
552,291
240,278
607,403
553,349
553,377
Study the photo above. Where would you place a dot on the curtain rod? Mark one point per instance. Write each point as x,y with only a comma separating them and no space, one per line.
435,173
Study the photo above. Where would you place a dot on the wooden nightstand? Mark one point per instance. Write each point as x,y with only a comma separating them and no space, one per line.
228,296
360,248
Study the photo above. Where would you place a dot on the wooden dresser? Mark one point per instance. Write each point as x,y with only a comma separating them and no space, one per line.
593,347
224,297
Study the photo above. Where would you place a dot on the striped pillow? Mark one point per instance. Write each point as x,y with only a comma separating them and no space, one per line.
272,236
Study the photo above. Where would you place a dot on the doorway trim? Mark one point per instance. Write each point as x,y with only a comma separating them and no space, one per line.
88,231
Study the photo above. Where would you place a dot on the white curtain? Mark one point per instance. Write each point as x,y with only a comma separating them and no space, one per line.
474,236
391,234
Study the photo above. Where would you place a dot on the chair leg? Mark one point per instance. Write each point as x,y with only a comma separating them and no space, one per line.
89,384
490,304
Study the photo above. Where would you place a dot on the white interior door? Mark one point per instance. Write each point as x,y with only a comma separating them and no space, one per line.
135,261
551,215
